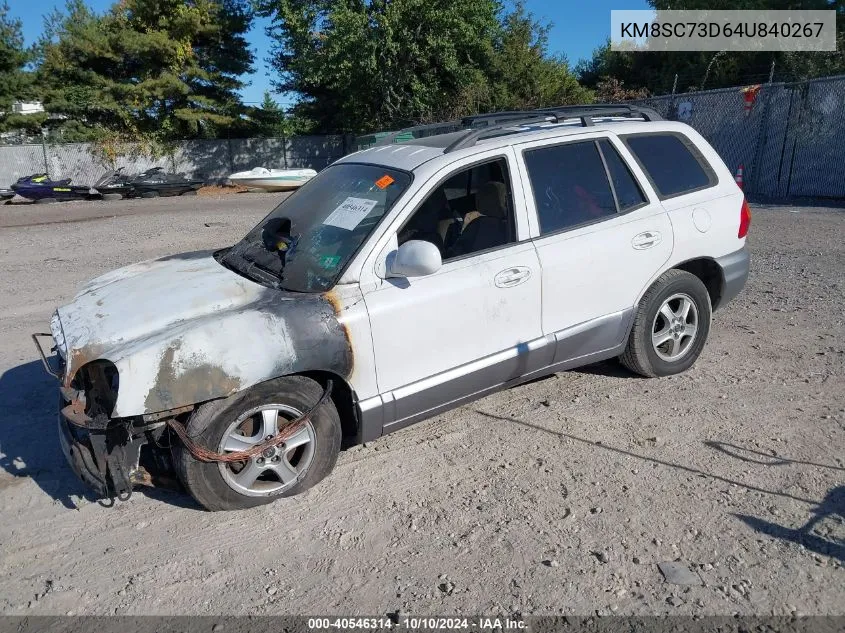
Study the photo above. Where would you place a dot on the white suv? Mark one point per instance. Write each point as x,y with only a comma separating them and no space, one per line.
402,281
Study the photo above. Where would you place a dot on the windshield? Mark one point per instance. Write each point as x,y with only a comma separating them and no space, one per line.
305,242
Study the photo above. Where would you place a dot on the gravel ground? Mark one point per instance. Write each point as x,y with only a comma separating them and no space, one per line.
557,497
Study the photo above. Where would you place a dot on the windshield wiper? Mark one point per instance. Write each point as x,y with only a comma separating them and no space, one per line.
248,268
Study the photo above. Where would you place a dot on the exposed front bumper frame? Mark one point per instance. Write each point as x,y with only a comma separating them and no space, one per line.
104,455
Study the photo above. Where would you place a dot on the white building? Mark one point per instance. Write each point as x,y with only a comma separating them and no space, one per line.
27,107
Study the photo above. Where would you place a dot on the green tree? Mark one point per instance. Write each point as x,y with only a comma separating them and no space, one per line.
269,119
656,71
366,65
363,65
147,69
523,75
15,80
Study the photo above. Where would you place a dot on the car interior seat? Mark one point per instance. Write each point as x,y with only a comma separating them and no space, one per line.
423,225
488,226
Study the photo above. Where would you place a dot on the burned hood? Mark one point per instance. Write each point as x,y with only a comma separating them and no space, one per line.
184,329
142,299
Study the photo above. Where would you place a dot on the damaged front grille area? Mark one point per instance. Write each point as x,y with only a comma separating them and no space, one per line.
96,386
112,455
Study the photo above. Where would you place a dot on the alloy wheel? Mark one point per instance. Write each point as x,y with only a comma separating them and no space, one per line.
675,327
277,468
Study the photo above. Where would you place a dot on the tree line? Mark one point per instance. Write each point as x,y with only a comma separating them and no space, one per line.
152,71
662,72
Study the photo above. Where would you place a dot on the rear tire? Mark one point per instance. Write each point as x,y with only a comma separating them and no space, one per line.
670,326
223,486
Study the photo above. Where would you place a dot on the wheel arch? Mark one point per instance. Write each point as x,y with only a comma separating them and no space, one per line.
711,275
708,271
345,401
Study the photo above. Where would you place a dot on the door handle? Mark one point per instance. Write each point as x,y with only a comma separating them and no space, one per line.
512,277
646,239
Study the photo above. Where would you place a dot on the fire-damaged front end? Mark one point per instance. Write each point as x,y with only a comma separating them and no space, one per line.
150,342
105,453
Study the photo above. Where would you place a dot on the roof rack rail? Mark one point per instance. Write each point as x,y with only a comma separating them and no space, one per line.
393,136
472,121
585,113
506,116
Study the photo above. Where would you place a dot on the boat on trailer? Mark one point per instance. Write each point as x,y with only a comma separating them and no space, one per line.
272,179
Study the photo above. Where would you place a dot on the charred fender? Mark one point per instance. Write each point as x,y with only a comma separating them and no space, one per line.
183,330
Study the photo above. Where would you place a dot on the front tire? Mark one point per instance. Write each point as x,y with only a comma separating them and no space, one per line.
248,418
670,326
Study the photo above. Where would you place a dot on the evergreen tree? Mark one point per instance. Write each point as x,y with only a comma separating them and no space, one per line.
154,69
656,71
367,65
15,80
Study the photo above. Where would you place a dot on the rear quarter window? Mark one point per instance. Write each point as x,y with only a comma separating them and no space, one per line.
672,163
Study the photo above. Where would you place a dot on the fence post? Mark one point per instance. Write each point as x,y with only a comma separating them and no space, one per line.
44,151
805,92
231,155
761,135
284,151
786,130
760,143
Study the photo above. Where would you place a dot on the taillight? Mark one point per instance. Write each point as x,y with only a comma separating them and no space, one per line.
744,218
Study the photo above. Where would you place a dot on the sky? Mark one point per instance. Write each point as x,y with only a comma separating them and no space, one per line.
576,31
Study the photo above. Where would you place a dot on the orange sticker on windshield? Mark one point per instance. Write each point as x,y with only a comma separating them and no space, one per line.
384,182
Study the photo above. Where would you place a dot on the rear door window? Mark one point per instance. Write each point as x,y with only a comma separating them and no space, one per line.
628,192
570,185
672,163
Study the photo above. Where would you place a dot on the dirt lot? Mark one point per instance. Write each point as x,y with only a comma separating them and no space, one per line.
557,497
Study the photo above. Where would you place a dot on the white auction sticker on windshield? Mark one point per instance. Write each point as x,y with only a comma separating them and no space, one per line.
350,212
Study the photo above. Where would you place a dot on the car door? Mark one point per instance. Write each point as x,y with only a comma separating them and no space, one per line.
466,328
601,237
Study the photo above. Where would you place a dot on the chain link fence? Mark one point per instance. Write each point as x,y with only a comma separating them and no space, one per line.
789,139
208,160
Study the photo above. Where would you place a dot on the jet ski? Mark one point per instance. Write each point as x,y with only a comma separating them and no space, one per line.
156,182
39,187
114,185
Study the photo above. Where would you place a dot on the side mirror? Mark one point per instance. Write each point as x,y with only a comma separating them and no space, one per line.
415,258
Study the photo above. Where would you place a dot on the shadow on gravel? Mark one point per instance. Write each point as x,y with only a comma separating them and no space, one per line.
29,440
833,505
609,368
29,434
763,459
653,460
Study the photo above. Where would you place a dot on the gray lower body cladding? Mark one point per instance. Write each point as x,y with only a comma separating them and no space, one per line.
735,269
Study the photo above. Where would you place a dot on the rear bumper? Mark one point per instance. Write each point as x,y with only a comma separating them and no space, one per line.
735,268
